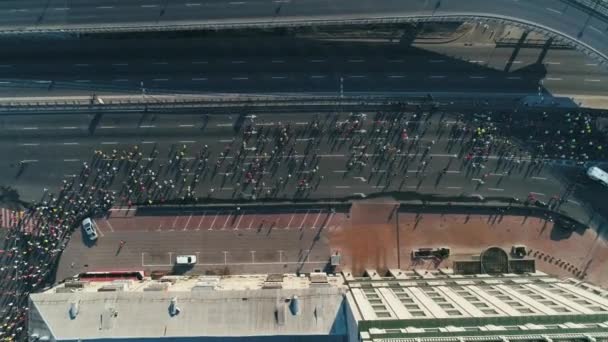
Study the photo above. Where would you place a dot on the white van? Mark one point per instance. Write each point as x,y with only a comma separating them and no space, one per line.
89,229
185,259
598,174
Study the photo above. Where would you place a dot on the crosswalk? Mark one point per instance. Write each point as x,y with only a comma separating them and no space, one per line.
12,219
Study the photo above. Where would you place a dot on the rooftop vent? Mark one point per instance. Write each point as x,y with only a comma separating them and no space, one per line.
74,308
174,310
294,305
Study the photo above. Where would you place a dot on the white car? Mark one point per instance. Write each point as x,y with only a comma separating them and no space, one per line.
89,228
598,174
185,259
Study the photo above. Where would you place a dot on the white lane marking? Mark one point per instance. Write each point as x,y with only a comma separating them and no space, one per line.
517,62
120,64
71,143
29,128
199,62
537,193
187,141
514,78
592,80
437,76
436,60
29,144
199,79
396,76
225,125
553,78
148,142
71,160
496,189
147,126
553,10
340,171
553,63
454,187
356,60
5,82
596,29
452,171
19,10
41,81
279,77
278,61
317,61
186,125
477,77
104,7
81,65
591,64
61,9
574,202
237,3
160,79
149,6
192,5
69,127
107,127
109,142
357,76
342,186
240,78
29,160
318,76
477,61
121,80
238,62
539,178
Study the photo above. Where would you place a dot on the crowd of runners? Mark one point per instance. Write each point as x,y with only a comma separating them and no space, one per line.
277,161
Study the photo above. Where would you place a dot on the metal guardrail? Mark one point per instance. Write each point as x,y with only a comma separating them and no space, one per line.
460,17
597,7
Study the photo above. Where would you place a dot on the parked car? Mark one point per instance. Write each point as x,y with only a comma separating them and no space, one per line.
185,259
89,229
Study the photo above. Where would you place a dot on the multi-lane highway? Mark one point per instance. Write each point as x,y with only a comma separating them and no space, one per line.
556,15
60,144
291,65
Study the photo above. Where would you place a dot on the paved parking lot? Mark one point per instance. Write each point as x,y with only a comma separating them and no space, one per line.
236,241
222,220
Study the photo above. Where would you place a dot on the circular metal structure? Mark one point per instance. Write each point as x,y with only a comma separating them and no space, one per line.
494,260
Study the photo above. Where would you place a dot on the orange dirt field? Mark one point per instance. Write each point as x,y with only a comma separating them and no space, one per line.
369,240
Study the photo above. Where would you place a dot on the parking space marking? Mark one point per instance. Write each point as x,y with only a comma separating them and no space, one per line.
314,225
226,222
303,220
289,224
238,222
213,223
187,222
251,222
173,224
201,220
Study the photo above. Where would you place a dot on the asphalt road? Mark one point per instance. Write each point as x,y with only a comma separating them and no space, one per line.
53,148
44,14
279,65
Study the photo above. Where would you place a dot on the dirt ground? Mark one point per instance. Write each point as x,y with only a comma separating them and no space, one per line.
369,240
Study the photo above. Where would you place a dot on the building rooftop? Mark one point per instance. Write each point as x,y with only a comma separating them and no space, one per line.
437,305
190,307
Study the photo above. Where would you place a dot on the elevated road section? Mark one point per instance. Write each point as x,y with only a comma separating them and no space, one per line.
578,23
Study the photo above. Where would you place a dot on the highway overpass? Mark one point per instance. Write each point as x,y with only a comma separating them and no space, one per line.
562,18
